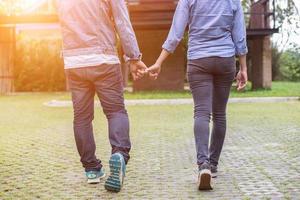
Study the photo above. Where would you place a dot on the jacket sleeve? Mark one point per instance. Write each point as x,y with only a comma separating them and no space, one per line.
125,30
180,21
239,30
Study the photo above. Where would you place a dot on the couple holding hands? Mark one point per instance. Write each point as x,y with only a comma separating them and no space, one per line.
91,29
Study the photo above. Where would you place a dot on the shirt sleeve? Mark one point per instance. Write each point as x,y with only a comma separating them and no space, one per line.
125,30
180,21
239,31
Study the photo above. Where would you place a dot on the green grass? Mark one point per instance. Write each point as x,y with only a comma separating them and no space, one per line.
38,157
279,89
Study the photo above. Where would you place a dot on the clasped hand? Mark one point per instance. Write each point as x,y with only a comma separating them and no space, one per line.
138,70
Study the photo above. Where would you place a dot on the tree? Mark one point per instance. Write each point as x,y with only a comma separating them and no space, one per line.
290,64
288,21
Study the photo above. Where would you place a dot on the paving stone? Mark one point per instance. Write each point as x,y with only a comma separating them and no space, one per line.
260,159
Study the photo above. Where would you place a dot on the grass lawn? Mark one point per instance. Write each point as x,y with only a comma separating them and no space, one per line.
279,89
39,160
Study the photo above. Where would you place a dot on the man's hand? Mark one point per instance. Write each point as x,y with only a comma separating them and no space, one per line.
154,71
137,69
242,79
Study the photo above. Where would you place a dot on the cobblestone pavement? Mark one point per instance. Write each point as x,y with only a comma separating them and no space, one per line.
260,160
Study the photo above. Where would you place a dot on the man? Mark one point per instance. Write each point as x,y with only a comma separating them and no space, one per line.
89,29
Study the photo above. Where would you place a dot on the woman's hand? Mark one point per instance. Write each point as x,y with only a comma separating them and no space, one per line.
154,71
242,79
242,76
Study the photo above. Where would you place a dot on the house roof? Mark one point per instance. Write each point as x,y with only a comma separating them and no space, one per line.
146,15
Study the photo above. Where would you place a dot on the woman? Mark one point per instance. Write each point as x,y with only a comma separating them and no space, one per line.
216,34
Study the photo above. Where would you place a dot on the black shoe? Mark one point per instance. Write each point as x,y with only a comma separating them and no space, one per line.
214,171
204,179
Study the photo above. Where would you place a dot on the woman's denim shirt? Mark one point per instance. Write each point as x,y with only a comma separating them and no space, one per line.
216,28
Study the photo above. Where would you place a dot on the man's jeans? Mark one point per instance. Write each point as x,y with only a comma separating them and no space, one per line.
106,82
210,81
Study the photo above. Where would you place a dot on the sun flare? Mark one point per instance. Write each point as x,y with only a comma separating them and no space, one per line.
26,4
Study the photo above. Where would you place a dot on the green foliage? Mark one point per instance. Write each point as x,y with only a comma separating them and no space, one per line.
290,65
279,89
38,65
287,11
288,21
276,56
247,8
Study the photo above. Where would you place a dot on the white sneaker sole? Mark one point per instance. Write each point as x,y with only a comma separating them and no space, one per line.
204,180
95,180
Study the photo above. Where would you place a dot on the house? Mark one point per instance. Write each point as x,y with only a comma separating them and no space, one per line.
151,23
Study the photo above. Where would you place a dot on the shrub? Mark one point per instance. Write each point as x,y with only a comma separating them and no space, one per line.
290,65
38,65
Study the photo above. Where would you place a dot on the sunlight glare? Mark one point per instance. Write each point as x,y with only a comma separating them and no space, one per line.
28,3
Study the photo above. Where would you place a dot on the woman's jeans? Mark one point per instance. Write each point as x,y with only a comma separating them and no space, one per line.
105,81
210,82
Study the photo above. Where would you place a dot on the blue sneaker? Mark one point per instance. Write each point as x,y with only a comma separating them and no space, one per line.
93,177
117,166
